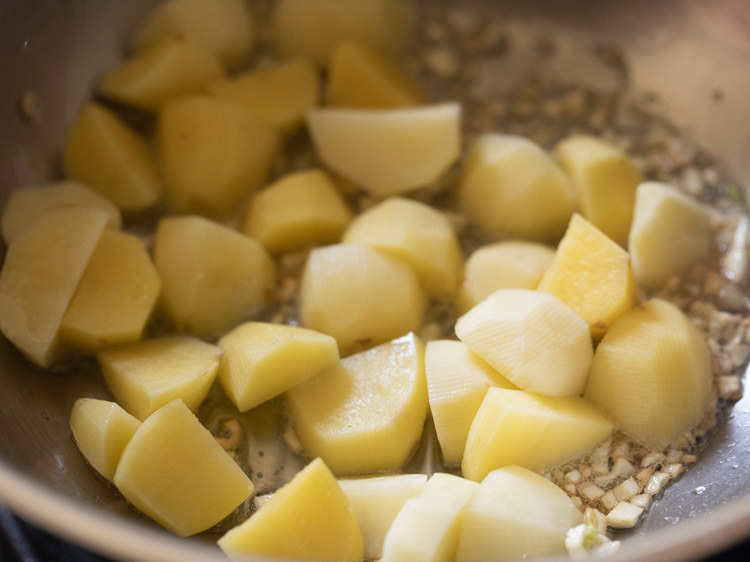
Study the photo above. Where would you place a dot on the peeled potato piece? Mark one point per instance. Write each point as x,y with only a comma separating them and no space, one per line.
364,415
652,373
102,429
388,151
516,514
530,430
308,519
144,376
174,471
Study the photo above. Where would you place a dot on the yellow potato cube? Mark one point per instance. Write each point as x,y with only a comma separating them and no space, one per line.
592,275
174,471
212,277
457,380
104,153
102,429
511,188
308,519
300,210
42,268
652,373
277,95
115,297
503,265
144,376
263,360
25,205
605,179
167,71
364,415
515,515
530,430
213,154
359,296
362,76
532,339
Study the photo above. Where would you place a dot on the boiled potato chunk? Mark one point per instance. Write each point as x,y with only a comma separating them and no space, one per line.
27,204
415,232
362,76
312,28
530,430
457,380
42,268
511,188
365,414
213,154
428,526
592,275
670,234
105,154
376,502
605,179
263,360
503,265
388,151
174,471
278,95
308,519
299,210
532,339
225,28
359,296
102,429
516,514
212,277
652,373
169,70
115,297
144,376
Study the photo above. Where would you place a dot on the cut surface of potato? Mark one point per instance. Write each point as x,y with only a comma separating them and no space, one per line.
102,152
516,514
308,519
503,265
115,296
530,430
167,71
670,234
362,76
27,204
212,277
359,296
457,380
418,234
278,95
605,179
592,275
263,360
652,373
144,376
376,502
222,27
388,151
174,471
102,429
511,188
42,268
427,527
300,210
532,339
364,415
213,154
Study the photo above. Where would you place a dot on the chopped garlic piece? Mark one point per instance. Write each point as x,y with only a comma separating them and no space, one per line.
573,476
583,541
652,459
260,500
674,470
621,468
642,500
624,516
596,518
644,475
592,491
730,387
627,489
609,500
656,483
